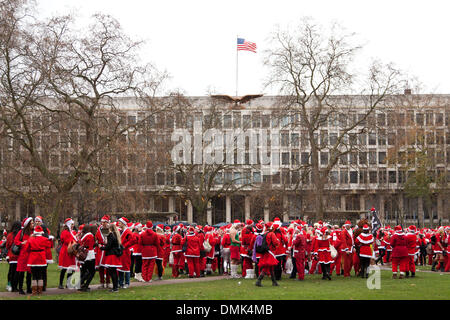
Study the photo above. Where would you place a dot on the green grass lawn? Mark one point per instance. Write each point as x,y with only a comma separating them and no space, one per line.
426,286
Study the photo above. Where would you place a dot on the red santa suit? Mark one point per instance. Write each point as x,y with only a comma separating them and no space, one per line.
36,247
347,245
66,261
365,243
399,251
128,241
192,253
167,235
88,241
387,241
211,238
150,242
268,259
411,243
11,257
299,245
336,241
178,255
245,238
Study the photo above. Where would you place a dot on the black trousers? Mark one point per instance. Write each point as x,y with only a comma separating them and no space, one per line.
87,273
132,265
382,252
114,277
256,267
38,273
12,279
137,264
365,263
294,268
20,277
279,267
159,265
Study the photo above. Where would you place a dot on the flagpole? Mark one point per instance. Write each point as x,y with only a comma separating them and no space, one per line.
237,64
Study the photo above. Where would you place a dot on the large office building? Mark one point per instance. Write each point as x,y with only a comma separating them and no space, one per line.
384,154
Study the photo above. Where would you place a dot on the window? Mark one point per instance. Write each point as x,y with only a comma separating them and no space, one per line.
305,158
419,119
439,119
324,158
353,158
382,157
344,176
392,138
353,176
392,176
334,177
284,139
372,138
246,121
160,178
295,158
344,159
429,119
265,120
227,121
382,176
295,139
276,178
256,177
363,158
363,176
373,178
236,120
285,158
256,120
381,137
381,119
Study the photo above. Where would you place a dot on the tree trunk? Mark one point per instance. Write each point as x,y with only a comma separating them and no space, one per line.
55,212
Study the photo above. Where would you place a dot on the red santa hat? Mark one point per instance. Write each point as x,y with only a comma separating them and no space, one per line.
398,229
81,227
160,227
124,220
106,218
259,227
5,232
137,225
26,221
268,225
412,229
373,209
324,230
178,227
38,218
129,225
68,222
38,230
149,224
366,227
191,229
347,223
249,222
167,228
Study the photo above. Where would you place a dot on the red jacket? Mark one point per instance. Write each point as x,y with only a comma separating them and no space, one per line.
346,241
226,241
194,245
365,243
399,245
137,248
150,242
411,243
9,242
160,248
281,248
212,241
176,242
299,244
36,247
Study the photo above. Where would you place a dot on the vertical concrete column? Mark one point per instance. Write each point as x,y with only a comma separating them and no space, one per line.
209,213
228,209
381,209
18,209
401,208
362,202
190,212
440,208
420,212
285,208
171,204
266,211
152,204
343,202
247,207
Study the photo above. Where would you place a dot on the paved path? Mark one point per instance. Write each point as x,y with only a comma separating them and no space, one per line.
55,291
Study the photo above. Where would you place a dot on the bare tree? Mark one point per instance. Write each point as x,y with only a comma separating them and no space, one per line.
312,71
76,77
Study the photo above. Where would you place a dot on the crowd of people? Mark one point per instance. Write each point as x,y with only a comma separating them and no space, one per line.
122,250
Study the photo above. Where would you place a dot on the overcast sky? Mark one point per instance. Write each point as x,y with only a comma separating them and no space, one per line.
195,41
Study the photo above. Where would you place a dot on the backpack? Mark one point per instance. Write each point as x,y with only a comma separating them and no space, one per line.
261,244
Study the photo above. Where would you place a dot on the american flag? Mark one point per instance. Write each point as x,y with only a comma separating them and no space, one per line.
245,45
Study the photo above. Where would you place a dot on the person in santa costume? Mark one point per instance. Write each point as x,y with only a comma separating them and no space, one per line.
381,246
87,240
150,242
112,260
438,250
347,247
160,250
245,238
268,261
137,252
299,251
259,229
167,234
37,262
411,243
178,255
100,238
280,252
235,248
225,244
365,243
211,238
66,261
399,253
193,247
336,240
39,221
21,240
128,241
387,241
323,252
11,257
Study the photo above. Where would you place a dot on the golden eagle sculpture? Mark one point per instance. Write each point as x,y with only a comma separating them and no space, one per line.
237,101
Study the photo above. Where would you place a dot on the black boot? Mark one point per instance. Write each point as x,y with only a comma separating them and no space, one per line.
442,266
274,282
258,281
413,274
407,274
433,266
